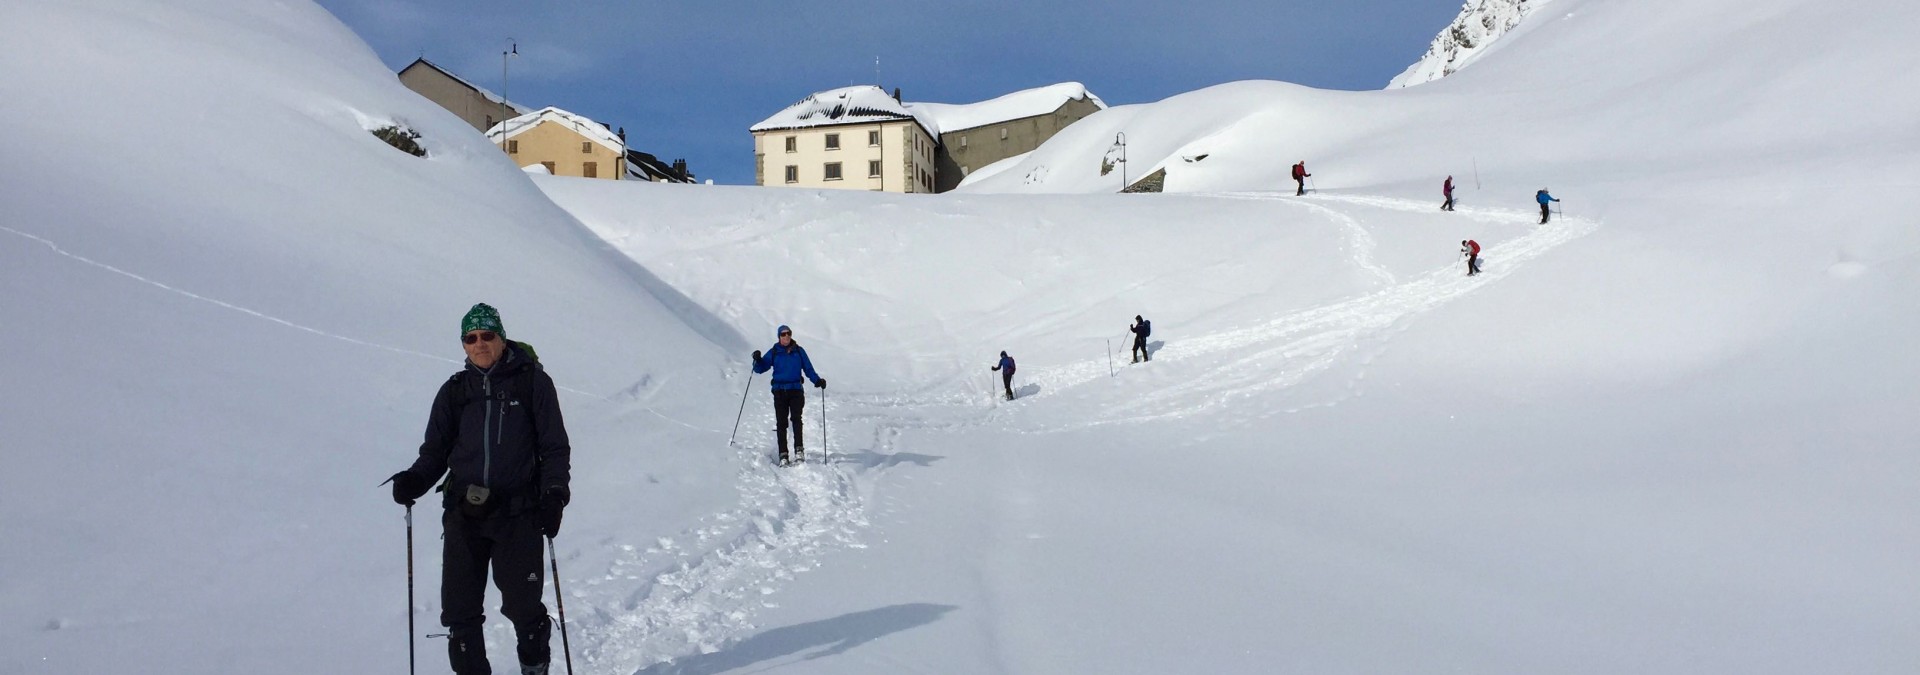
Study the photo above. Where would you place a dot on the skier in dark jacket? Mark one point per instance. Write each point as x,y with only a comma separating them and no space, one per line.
496,433
1141,328
1544,200
1447,189
1300,177
1006,373
788,362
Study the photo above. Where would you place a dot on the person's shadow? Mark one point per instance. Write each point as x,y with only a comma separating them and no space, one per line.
826,637
1154,347
874,460
1026,390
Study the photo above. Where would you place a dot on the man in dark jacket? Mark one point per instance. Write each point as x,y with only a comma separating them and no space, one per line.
1300,177
788,362
496,434
1006,373
1141,328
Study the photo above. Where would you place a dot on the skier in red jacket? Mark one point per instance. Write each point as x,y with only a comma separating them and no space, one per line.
1471,249
1300,177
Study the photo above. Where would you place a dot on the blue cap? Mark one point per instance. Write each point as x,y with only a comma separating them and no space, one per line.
782,329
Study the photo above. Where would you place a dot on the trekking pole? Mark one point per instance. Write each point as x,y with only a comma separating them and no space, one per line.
410,659
1313,186
1109,357
560,601
1476,173
743,409
826,452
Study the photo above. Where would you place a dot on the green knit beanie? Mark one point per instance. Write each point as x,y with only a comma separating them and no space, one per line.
482,317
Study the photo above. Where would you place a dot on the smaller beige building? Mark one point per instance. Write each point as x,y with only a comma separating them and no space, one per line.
565,143
476,106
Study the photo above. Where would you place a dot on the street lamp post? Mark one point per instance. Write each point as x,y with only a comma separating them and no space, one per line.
1120,142
513,50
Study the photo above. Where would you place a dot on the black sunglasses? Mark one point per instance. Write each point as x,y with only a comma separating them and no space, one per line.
786,334
471,338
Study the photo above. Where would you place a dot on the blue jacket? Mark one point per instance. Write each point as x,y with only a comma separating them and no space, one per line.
1543,198
1006,364
787,365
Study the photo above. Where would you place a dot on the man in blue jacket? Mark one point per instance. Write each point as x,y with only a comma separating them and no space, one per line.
788,361
1006,373
1544,199
1141,328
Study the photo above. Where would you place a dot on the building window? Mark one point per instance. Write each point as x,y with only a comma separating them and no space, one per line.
833,170
549,166
1003,133
590,169
793,174
513,147
489,121
586,147
833,141
873,138
873,168
793,145
963,141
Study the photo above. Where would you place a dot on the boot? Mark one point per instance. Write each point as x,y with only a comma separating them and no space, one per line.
535,647
782,435
533,670
799,446
467,651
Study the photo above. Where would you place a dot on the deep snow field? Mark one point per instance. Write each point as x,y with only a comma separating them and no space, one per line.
1670,431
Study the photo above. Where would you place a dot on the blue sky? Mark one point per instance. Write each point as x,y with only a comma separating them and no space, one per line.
686,79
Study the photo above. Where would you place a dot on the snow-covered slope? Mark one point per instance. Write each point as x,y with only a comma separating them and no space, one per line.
1665,433
1469,36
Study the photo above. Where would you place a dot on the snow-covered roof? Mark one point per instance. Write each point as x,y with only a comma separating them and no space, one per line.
496,98
951,117
594,131
860,104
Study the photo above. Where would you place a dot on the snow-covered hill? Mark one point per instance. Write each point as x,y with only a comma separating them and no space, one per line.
1665,433
1469,36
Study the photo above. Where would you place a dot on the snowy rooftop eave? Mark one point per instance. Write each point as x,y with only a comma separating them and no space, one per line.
863,104
951,117
594,131
489,95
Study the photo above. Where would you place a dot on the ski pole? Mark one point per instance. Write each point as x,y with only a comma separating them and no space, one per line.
1109,357
1313,186
743,409
826,452
410,659
561,602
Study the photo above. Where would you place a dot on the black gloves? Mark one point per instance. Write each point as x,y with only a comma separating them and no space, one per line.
820,383
756,356
407,486
553,501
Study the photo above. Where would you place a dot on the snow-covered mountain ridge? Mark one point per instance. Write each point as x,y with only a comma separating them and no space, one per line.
1470,35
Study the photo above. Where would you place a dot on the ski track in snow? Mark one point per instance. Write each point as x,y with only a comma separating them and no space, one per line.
699,591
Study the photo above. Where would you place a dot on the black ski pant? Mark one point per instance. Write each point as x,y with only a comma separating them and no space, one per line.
1473,264
511,546
1544,212
1006,380
1140,349
1448,206
1303,186
787,404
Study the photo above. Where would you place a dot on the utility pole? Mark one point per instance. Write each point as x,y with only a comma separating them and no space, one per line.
513,50
1120,142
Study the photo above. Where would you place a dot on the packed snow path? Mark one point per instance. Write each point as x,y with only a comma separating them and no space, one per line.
699,591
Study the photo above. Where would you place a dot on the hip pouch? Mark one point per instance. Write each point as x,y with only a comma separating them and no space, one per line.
477,502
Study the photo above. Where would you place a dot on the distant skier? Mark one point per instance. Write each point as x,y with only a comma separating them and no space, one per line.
1300,177
1544,199
788,362
1447,190
1006,373
1471,249
1141,328
496,433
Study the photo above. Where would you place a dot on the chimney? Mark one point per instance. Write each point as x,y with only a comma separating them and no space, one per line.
896,94
623,135
680,168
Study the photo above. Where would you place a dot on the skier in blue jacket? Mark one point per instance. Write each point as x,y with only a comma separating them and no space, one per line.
788,361
1544,199
1006,373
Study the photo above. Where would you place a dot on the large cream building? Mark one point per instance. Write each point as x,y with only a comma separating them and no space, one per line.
564,143
859,138
478,107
